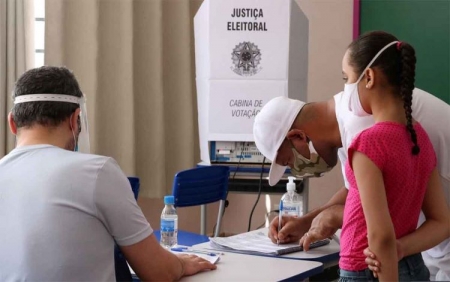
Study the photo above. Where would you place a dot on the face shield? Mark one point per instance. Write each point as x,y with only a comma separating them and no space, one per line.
83,143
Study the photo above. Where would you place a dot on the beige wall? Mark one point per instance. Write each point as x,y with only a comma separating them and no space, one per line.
330,31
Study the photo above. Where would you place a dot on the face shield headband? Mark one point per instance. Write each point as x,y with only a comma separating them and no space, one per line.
83,139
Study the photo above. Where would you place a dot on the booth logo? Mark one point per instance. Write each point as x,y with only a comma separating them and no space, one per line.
246,57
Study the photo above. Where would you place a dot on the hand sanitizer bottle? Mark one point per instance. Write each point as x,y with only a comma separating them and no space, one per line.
292,202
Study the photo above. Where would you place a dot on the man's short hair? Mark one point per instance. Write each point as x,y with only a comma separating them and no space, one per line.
45,80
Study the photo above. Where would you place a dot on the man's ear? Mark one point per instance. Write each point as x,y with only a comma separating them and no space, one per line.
299,140
296,134
12,124
73,122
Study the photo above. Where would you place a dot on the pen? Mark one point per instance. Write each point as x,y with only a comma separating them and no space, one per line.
184,249
336,238
279,220
188,249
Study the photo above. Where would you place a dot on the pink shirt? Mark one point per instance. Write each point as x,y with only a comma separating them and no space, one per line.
406,176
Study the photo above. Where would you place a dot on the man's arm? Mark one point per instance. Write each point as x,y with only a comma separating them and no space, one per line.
338,199
151,262
435,229
117,209
319,223
324,225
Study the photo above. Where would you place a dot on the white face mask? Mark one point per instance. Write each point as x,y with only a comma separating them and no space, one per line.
354,103
82,143
315,165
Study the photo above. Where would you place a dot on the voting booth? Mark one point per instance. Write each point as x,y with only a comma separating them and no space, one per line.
246,53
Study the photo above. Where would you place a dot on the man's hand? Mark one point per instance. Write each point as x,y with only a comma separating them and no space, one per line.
193,264
292,229
374,264
323,226
168,267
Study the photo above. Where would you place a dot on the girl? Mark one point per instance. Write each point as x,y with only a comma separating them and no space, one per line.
391,166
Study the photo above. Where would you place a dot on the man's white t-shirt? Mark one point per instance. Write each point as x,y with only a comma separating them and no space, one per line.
60,213
432,113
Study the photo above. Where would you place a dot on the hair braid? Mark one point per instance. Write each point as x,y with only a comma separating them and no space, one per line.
407,77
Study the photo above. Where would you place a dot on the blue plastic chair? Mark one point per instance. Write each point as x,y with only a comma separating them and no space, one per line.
120,263
135,185
201,186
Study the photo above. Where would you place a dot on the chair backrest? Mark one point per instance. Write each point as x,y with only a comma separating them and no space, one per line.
120,264
135,185
199,186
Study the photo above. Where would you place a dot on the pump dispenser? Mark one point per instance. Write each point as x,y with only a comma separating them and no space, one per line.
290,186
292,202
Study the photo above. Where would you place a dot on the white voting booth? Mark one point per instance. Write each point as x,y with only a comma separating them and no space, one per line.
246,53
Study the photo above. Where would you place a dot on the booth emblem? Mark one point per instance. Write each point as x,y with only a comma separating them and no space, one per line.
246,57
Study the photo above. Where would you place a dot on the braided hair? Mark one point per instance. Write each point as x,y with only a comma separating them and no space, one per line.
407,75
397,62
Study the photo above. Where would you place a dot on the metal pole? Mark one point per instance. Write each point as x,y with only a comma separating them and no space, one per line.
305,195
203,219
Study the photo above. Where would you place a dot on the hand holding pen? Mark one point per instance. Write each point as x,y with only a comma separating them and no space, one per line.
280,217
288,229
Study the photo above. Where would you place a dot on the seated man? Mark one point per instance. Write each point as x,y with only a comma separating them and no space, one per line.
318,133
61,211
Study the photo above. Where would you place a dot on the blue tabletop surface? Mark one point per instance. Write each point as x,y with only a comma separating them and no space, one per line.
187,238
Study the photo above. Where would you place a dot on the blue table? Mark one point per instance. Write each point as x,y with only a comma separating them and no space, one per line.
186,238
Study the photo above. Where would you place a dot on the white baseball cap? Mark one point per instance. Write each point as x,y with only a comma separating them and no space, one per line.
271,126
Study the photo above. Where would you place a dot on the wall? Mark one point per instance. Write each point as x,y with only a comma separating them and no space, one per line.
330,31
432,48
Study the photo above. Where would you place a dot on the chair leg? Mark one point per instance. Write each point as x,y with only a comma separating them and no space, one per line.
203,219
219,218
305,195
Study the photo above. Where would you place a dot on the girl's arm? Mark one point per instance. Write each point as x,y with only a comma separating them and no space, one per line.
380,230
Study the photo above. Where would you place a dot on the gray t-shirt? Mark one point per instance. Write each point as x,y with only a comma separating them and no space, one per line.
60,213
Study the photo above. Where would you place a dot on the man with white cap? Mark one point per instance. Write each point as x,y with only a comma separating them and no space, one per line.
330,126
61,211
278,136
285,131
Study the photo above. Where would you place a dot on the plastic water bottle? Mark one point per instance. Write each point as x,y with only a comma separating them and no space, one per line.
292,202
169,224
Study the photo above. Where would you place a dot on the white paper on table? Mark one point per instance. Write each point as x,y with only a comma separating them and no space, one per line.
251,242
211,259
258,243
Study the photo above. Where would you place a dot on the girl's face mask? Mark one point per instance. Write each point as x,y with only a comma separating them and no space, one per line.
351,89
